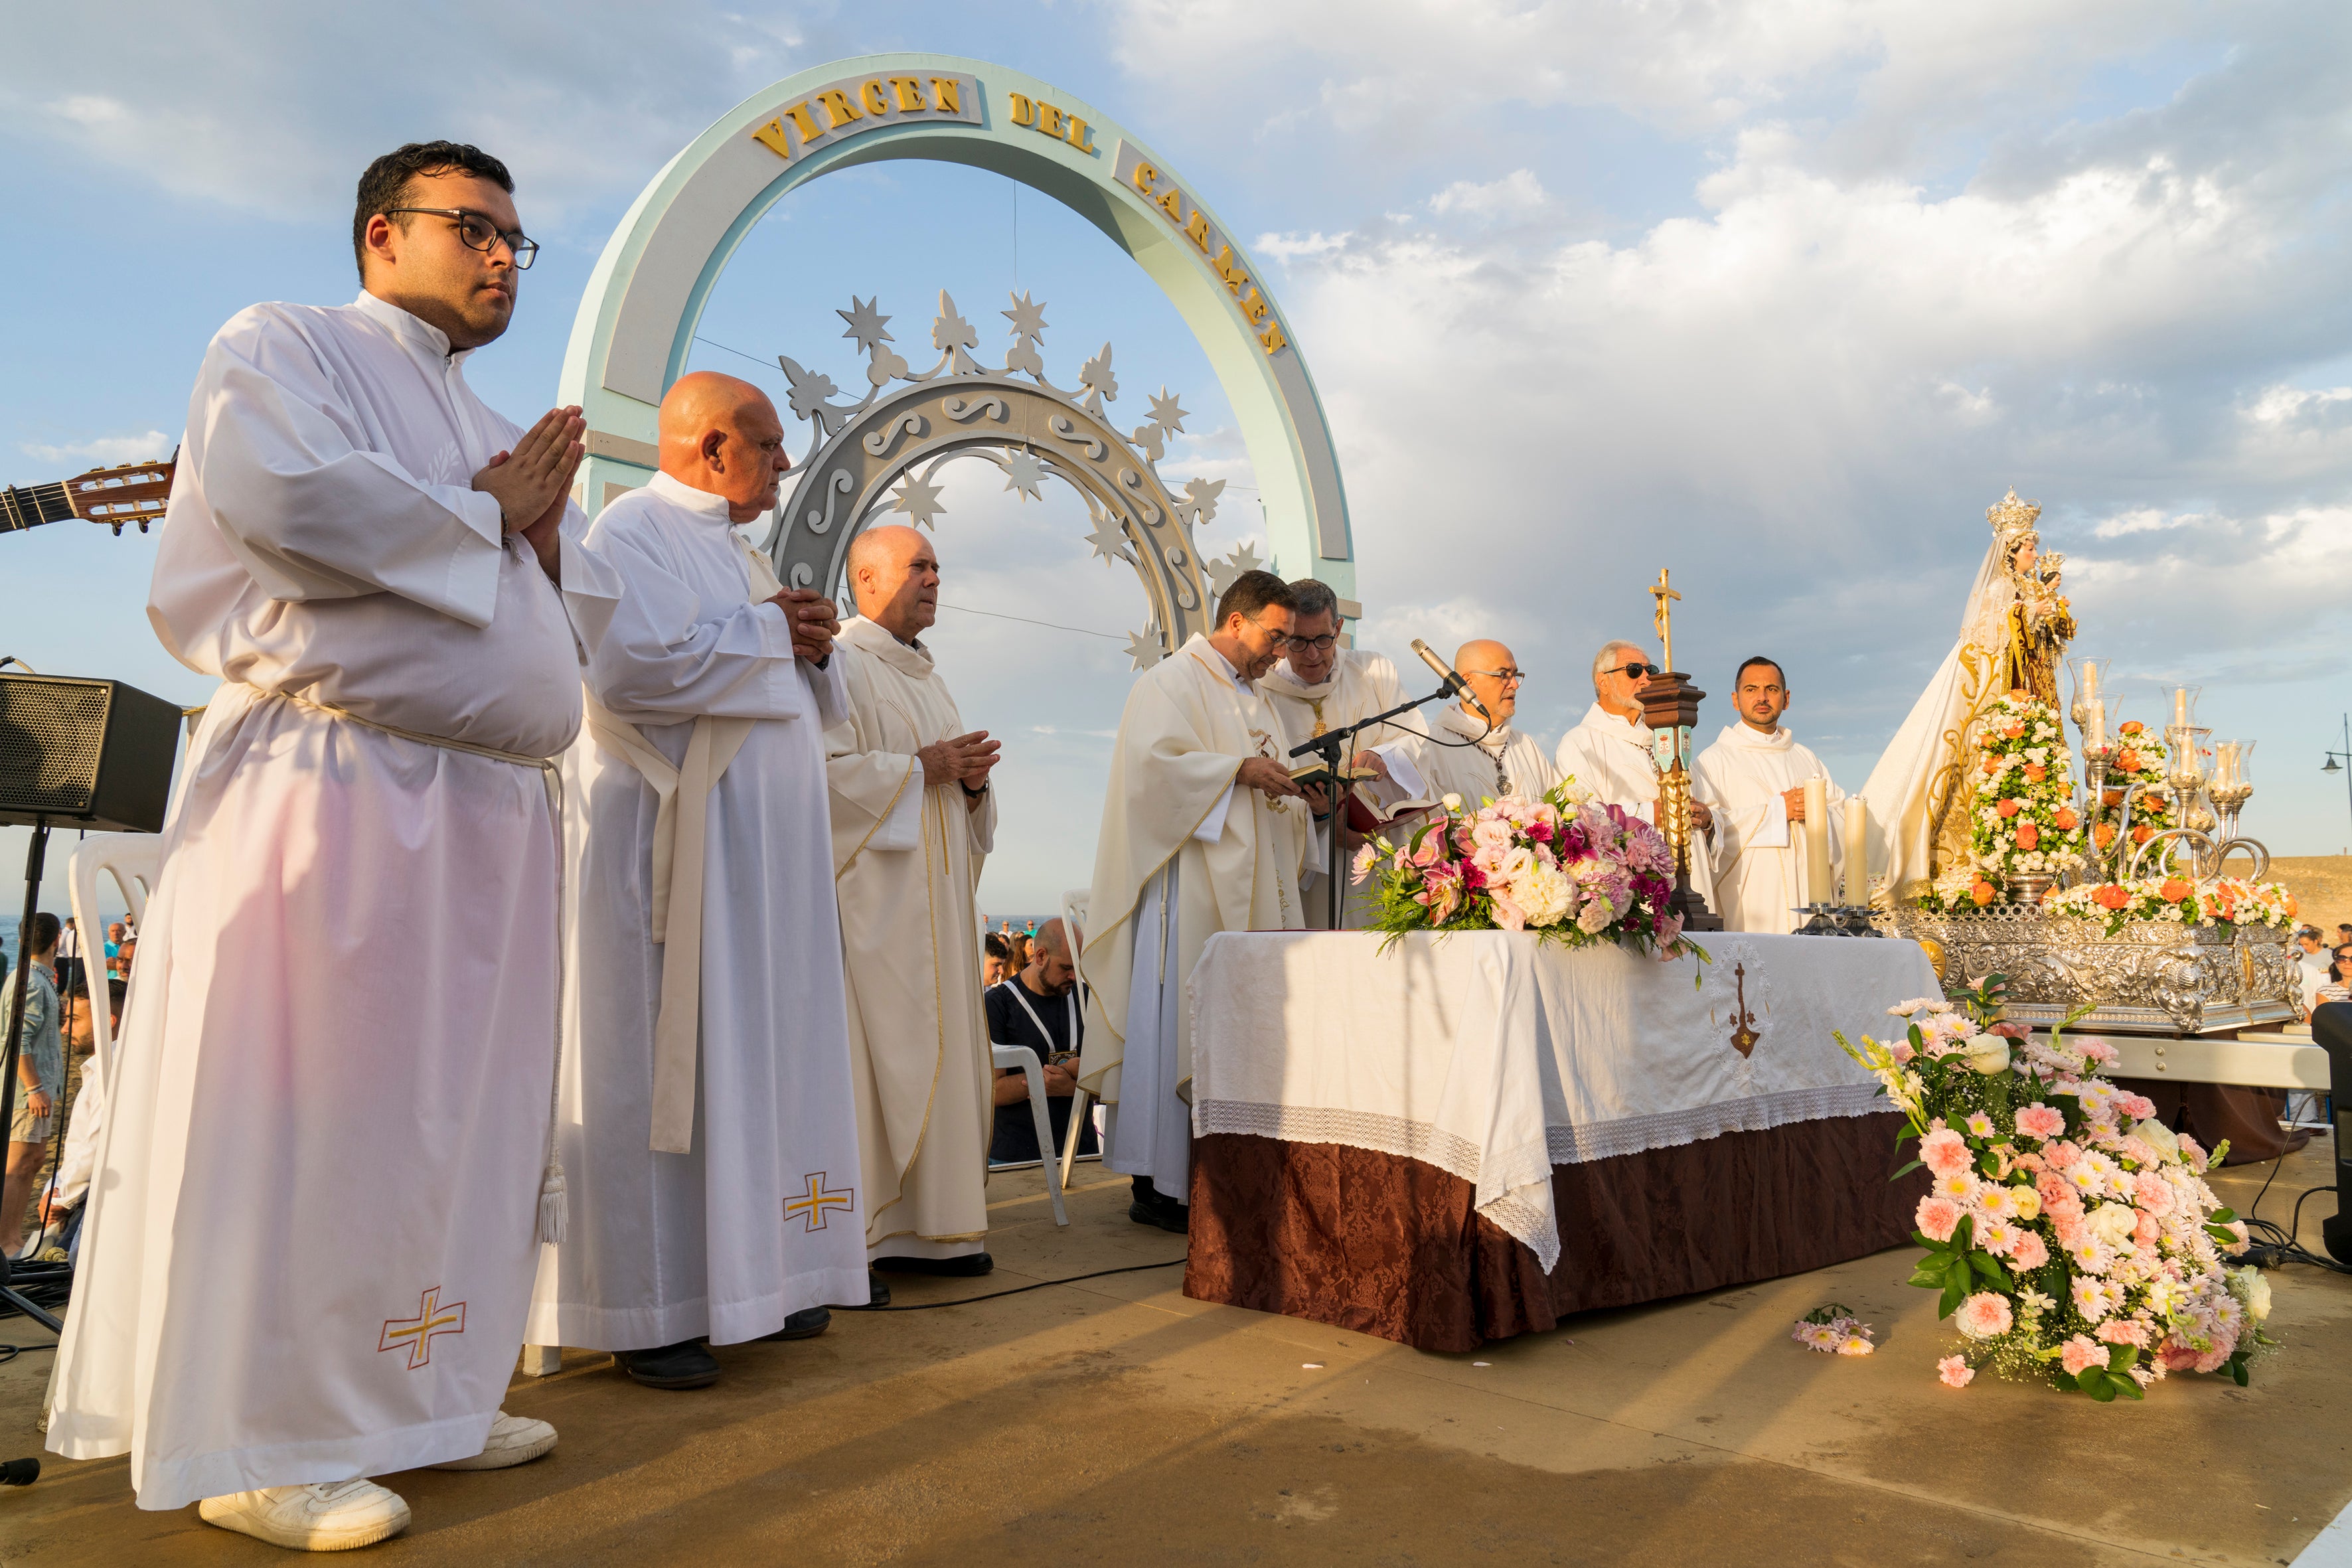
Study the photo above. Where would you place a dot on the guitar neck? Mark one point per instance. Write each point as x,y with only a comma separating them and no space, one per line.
31,506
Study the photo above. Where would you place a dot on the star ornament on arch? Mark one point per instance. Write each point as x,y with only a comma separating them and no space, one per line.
1027,315
866,324
1024,471
1109,539
919,499
1143,649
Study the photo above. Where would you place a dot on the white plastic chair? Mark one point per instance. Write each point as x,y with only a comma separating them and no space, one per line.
1033,1070
1074,921
135,861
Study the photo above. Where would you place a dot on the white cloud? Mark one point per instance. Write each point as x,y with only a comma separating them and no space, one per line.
2140,520
1516,195
105,451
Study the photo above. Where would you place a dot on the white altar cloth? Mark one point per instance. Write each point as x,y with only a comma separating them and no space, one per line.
1494,1057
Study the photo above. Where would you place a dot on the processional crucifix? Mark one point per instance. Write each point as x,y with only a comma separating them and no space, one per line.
1670,705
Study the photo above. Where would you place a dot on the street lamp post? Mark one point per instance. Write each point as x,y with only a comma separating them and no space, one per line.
2337,761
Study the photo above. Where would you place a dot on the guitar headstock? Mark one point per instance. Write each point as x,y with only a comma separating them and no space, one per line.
132,492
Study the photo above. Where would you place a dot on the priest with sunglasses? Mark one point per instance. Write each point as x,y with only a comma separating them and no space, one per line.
1610,752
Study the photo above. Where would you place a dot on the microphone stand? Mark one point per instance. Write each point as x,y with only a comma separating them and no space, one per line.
1332,747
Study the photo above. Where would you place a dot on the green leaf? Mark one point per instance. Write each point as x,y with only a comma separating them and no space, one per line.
2098,1387
2222,1217
2237,1366
1954,1294
1990,1267
1904,1171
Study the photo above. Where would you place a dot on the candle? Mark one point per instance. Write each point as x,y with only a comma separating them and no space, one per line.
1857,852
2089,681
1819,888
2094,734
2180,705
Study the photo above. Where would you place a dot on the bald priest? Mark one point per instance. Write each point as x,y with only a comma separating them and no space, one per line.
913,818
1203,831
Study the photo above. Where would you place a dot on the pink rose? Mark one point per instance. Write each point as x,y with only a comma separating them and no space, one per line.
2124,1332
2138,1107
2211,1360
1508,914
2052,1189
2030,1253
1938,1218
2175,1356
2081,1354
2062,1154
1954,1372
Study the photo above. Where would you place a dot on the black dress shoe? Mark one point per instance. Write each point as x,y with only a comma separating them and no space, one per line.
878,1291
963,1268
806,1324
1166,1216
688,1364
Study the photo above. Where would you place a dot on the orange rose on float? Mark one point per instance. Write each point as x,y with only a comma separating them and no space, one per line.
2174,891
2131,727
2105,833
2015,732
2143,833
2111,798
2028,835
1990,764
2065,820
2010,807
2129,763
2035,773
2112,897
1982,893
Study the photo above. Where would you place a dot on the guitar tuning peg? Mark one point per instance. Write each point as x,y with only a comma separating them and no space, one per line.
118,530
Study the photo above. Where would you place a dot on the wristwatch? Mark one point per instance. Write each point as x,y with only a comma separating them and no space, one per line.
975,794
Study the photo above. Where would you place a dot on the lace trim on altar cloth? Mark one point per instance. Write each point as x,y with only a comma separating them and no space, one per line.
1567,1145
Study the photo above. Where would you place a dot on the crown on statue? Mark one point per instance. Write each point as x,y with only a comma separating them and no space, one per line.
2013,520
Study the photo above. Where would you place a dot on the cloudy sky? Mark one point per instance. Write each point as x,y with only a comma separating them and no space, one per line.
1780,295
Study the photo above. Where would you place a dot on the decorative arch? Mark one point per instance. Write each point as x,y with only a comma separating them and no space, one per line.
636,325
1030,428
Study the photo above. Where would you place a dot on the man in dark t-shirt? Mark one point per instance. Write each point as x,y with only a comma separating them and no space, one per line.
1037,1008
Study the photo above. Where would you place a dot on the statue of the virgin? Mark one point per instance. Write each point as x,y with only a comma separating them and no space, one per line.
2013,637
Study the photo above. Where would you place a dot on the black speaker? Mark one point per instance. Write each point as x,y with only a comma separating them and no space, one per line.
85,753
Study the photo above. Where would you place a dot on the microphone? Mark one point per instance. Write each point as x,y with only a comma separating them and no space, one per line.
1455,685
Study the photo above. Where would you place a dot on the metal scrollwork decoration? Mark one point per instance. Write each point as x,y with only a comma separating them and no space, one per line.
910,424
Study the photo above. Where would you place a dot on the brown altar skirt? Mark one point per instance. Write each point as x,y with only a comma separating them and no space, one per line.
1389,1246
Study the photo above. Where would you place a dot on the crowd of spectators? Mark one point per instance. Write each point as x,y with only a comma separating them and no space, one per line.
39,1191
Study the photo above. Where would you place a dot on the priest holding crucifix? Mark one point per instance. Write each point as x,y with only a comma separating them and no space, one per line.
913,816
1202,830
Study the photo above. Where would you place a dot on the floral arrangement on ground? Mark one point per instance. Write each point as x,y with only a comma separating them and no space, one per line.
2226,903
1562,866
2021,811
2072,1235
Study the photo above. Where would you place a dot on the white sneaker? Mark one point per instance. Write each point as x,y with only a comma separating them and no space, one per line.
328,1516
513,1440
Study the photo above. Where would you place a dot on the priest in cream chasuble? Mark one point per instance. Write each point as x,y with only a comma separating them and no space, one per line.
1319,686
913,818
1203,831
1753,777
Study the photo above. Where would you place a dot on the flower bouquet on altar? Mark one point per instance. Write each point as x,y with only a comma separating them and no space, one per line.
2074,1239
1563,866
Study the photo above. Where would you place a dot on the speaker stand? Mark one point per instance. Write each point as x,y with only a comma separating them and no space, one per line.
33,860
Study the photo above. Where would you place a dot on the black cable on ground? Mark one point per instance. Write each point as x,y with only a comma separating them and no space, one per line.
10,1353
2274,1244
1018,1289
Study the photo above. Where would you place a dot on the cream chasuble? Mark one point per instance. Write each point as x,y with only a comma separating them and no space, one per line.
907,865
761,1213
310,1235
1361,683
1183,854
1458,756
1760,855
1613,758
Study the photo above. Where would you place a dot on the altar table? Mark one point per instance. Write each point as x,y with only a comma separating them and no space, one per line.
1468,1137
